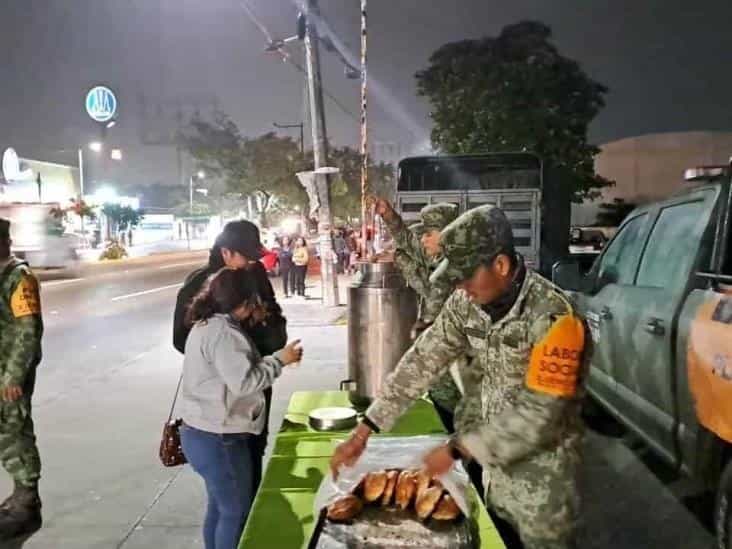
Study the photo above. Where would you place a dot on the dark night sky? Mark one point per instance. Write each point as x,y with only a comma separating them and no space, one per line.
667,63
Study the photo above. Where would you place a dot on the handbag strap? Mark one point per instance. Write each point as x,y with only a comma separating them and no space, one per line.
175,398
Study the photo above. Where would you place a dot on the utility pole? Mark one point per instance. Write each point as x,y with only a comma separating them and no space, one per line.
329,278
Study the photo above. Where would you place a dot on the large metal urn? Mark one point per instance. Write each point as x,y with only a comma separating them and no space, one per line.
381,312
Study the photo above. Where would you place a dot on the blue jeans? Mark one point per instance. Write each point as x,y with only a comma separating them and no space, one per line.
228,465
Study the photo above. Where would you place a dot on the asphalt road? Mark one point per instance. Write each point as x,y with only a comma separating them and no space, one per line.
105,386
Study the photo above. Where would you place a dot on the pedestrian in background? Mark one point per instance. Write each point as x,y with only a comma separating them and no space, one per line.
238,247
21,330
341,251
223,402
300,257
284,256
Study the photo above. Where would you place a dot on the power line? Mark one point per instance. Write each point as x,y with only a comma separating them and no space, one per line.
287,58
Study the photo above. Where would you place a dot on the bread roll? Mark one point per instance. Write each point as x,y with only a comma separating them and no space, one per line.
391,480
373,485
406,486
426,503
344,508
423,482
446,509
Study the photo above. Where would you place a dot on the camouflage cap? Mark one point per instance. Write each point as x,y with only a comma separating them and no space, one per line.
4,228
476,236
436,217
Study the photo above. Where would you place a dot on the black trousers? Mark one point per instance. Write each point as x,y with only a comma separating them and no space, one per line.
261,442
300,272
288,280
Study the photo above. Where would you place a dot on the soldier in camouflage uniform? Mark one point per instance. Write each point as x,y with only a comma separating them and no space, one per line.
519,417
21,329
417,254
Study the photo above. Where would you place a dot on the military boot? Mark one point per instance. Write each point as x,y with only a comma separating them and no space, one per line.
21,513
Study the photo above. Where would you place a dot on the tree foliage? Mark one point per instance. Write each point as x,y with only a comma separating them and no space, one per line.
121,218
515,92
265,166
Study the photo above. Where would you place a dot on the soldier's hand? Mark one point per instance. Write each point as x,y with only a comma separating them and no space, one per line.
11,393
438,461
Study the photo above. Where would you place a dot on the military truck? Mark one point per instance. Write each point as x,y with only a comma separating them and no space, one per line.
530,192
658,302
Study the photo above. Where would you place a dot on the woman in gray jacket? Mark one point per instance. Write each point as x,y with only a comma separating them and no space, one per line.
223,402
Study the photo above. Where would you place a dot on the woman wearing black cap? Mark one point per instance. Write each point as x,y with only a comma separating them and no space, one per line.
238,247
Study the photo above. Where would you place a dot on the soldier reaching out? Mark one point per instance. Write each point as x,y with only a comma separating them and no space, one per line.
520,414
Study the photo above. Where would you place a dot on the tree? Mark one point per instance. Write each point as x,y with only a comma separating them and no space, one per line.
121,218
612,214
515,92
264,167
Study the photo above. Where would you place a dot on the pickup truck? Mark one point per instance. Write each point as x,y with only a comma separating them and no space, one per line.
658,304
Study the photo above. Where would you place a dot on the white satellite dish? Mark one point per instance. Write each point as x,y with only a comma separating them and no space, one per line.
11,167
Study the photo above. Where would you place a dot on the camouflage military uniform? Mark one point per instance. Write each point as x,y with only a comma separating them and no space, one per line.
519,416
21,329
416,267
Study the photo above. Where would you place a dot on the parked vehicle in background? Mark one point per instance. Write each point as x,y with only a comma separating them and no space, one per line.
658,303
531,193
37,232
586,244
271,262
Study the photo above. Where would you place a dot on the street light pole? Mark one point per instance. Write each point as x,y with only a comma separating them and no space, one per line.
301,125
329,279
81,192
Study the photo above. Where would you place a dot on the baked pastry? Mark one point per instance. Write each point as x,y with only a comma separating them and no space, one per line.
423,482
406,486
391,480
373,485
344,508
446,509
427,502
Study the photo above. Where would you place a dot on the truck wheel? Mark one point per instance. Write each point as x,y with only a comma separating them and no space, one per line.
723,509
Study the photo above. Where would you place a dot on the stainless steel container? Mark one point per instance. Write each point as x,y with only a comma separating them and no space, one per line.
381,312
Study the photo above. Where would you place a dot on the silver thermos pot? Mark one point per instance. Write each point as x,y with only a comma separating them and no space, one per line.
381,312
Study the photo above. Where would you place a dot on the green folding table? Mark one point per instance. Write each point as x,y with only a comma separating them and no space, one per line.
282,515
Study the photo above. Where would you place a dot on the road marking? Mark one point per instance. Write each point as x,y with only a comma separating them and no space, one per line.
59,282
175,265
146,292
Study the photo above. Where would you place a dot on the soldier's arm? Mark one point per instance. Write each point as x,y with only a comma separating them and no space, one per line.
25,331
437,295
428,359
551,385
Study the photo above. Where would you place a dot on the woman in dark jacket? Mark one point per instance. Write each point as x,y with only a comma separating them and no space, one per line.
286,271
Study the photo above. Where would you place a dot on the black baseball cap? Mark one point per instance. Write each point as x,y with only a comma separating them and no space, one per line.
241,236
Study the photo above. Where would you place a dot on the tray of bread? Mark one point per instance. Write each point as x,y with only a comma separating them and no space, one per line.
375,506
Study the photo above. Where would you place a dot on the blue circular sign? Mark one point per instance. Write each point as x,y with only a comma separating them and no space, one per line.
101,104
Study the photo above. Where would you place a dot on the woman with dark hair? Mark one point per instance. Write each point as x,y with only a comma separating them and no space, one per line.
300,257
284,256
223,402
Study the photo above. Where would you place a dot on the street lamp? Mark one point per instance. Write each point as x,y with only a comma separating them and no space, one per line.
96,146
116,154
199,175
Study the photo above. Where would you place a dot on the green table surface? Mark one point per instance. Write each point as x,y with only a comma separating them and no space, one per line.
282,513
